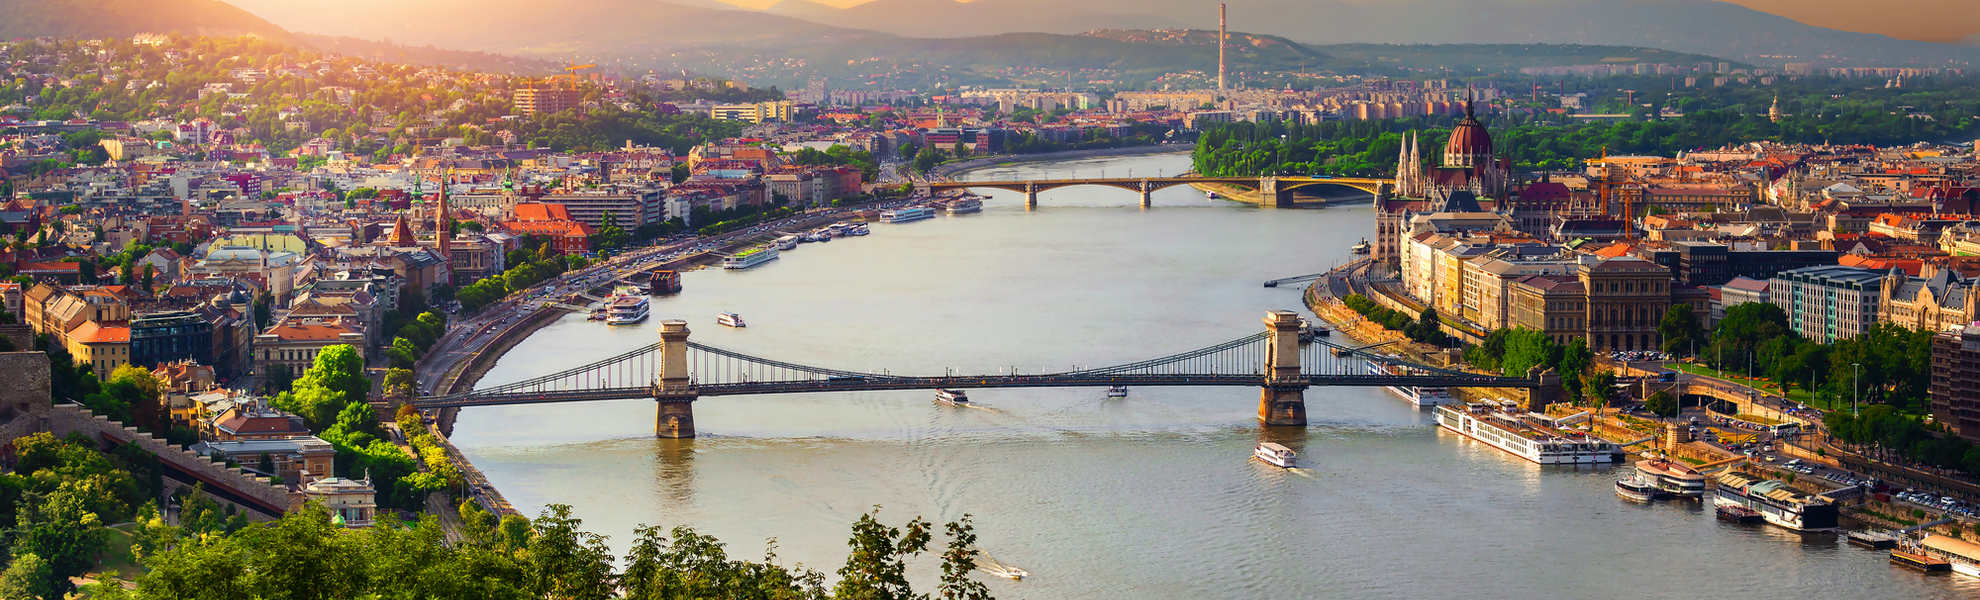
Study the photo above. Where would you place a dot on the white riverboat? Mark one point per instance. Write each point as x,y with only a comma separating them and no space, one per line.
1421,396
626,310
1673,478
1276,455
1523,436
750,258
1778,503
1632,486
951,397
787,242
730,319
907,214
1119,391
964,205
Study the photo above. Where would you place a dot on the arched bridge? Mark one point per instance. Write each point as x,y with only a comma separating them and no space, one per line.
676,372
1278,188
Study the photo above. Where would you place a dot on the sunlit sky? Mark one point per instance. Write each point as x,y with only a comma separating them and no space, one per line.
1927,20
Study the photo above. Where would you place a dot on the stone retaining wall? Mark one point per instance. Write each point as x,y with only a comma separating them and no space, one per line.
264,499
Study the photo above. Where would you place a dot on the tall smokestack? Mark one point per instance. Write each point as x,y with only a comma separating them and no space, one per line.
1221,43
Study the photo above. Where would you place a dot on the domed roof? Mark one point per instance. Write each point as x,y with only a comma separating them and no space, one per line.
1469,140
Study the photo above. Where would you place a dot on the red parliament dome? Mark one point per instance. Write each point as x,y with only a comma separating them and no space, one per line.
1470,144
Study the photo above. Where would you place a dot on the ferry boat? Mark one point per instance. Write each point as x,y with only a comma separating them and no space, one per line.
1963,556
1361,248
626,310
1276,455
1119,391
858,230
1673,478
664,282
1421,396
730,319
964,205
951,397
1525,437
1633,487
788,242
1776,502
907,214
1738,514
750,258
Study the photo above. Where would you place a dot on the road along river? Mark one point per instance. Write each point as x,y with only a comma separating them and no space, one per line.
1151,496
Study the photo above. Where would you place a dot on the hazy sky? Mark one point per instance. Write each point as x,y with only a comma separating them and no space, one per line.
1927,20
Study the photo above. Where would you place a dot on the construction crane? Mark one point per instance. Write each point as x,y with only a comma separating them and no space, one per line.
571,69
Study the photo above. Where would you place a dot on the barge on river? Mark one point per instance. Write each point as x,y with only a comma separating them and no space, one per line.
1778,503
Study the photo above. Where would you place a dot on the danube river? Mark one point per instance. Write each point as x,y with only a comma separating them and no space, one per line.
1151,496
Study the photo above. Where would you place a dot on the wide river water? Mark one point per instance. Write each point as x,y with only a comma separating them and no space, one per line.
1151,496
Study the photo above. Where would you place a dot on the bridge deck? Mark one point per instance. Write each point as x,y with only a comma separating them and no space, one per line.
979,382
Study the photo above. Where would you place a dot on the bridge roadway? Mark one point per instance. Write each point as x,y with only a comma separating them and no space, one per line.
1279,189
676,372
893,383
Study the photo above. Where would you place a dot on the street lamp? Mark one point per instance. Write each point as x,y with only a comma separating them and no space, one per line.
1855,389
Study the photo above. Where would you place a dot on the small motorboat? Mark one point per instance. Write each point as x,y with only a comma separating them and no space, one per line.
1119,391
1633,487
1276,455
951,397
730,319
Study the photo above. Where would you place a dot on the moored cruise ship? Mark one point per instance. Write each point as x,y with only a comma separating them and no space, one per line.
750,258
1673,478
626,310
1525,437
1421,396
1777,503
907,214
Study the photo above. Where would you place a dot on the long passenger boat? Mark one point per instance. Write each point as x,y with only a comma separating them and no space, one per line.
1419,395
1778,504
1526,437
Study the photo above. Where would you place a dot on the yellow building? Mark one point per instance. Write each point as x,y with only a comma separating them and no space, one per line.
102,347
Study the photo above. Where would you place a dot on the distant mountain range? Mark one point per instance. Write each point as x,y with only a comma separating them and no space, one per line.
642,30
1692,26
124,18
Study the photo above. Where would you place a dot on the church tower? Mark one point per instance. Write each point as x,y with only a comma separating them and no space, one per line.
443,231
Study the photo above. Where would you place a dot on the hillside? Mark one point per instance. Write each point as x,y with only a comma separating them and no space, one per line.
428,55
1704,27
1497,57
1063,52
97,19
560,29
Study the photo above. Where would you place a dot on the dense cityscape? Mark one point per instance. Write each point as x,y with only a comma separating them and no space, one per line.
283,319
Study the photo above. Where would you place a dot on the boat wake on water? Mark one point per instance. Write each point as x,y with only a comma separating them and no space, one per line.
990,565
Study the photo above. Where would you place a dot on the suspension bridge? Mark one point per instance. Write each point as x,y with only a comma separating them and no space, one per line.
1278,189
676,372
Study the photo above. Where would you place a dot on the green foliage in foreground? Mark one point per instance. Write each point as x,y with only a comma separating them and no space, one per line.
303,556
